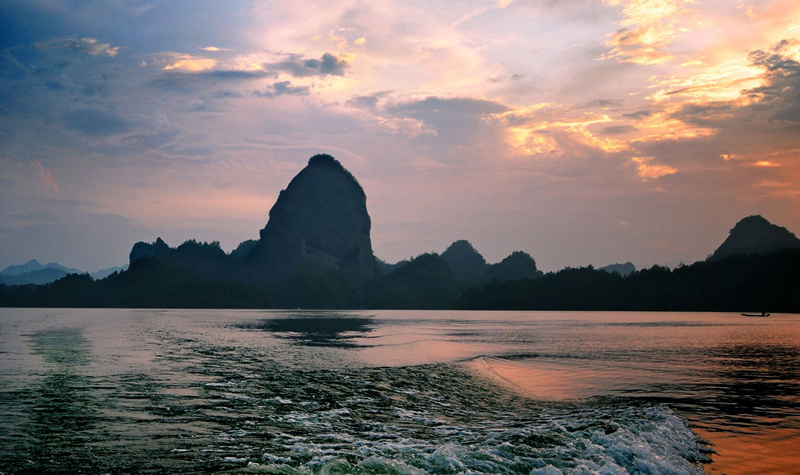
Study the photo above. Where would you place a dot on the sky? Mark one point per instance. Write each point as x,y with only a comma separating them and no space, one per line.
579,131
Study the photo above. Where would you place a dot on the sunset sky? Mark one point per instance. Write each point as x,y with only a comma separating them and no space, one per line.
580,131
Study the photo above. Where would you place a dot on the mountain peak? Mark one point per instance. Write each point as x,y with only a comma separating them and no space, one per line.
319,222
755,235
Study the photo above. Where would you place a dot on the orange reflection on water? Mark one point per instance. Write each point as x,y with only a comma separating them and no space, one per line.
737,450
775,452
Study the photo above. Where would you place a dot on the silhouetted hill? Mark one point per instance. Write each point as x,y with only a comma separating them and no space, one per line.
103,273
425,282
755,235
467,264
204,259
142,249
243,249
386,268
319,222
736,283
621,269
518,265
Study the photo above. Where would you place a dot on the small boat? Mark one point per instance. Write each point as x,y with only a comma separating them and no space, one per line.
762,314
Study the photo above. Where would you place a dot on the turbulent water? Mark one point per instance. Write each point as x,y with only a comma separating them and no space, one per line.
144,391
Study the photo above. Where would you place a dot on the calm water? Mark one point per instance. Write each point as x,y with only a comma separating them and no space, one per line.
148,391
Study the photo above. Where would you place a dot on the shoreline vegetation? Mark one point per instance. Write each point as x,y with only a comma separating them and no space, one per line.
736,283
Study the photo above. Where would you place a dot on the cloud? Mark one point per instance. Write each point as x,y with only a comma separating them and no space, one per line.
89,46
282,88
48,184
544,129
178,80
648,28
649,171
601,104
150,141
328,65
617,129
643,45
369,102
190,63
466,107
638,115
406,126
775,99
95,122
781,92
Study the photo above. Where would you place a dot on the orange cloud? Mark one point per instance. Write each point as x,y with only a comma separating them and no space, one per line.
765,163
532,129
647,28
648,171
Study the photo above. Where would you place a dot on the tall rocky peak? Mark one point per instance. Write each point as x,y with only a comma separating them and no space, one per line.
319,222
755,235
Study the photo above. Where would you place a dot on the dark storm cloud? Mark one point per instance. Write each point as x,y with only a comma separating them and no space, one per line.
95,122
705,115
600,104
618,130
781,94
369,102
282,88
328,65
638,115
181,80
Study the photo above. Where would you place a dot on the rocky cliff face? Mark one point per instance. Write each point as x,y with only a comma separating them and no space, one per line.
755,235
319,222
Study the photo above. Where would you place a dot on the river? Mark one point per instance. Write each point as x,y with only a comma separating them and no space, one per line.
153,391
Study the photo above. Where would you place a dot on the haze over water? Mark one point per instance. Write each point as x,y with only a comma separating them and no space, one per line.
109,391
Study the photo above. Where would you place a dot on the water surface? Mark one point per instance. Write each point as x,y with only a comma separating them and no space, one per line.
144,391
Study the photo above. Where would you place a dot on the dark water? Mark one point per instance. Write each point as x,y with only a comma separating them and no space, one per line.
147,391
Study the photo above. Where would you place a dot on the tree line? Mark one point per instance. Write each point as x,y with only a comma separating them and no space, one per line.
740,283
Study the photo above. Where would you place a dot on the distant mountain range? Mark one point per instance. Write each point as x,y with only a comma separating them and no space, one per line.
34,272
34,265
